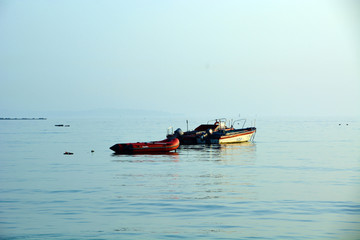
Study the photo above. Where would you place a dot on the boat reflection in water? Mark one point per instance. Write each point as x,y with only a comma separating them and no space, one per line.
147,157
234,153
222,172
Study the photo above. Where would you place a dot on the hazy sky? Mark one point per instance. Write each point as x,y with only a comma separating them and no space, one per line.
254,57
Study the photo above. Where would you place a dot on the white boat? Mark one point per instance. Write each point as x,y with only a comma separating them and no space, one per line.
216,133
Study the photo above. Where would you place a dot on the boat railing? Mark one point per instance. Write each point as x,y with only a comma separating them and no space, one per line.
238,121
222,122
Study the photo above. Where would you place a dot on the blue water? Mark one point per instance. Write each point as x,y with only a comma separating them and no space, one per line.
298,180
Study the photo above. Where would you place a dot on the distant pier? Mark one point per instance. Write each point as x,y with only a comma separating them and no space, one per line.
22,118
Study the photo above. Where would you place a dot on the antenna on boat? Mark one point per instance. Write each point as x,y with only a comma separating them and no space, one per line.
187,125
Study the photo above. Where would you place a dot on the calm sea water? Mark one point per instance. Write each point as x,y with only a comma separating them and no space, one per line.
298,180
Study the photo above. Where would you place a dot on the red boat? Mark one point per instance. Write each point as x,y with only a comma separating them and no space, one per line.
163,146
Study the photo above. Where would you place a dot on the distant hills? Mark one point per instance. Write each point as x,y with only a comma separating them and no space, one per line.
7,118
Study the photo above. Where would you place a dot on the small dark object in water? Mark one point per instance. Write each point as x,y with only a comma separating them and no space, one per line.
68,153
59,125
92,151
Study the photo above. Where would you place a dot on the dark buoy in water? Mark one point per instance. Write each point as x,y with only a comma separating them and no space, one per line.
92,151
68,153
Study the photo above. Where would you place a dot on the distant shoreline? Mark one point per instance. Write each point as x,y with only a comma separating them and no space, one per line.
23,119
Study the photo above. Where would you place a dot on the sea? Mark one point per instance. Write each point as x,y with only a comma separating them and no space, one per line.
298,179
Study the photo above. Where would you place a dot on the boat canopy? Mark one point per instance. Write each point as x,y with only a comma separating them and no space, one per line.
204,127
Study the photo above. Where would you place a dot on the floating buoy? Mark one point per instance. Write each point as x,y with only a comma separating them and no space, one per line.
62,125
92,151
68,153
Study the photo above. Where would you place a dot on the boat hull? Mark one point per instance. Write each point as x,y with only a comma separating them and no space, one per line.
164,146
235,137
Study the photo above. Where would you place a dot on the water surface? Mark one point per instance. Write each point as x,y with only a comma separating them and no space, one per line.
298,180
